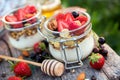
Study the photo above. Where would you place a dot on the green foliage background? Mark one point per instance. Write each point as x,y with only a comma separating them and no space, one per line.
105,16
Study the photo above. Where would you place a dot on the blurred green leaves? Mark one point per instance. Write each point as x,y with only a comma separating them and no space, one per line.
105,16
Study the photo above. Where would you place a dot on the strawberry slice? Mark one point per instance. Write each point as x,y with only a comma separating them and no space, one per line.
82,18
11,18
60,16
20,25
73,26
30,9
69,18
20,14
62,25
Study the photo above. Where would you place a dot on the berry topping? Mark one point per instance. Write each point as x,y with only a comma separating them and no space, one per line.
21,15
62,25
69,18
11,18
60,16
73,25
75,14
30,9
82,18
101,40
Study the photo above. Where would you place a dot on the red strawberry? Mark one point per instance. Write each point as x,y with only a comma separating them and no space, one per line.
82,18
17,25
73,26
30,9
14,78
11,18
60,16
69,18
22,69
20,14
36,47
32,20
97,61
62,25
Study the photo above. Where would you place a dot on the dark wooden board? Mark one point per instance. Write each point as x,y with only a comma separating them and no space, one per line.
110,71
4,65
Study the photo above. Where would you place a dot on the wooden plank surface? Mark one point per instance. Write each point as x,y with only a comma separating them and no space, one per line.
110,71
4,65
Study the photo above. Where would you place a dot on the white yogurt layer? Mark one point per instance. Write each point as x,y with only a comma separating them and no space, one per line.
25,42
86,47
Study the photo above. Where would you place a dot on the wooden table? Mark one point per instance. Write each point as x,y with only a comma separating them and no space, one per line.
110,70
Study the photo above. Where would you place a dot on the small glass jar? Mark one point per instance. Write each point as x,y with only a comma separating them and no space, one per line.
81,40
50,6
24,38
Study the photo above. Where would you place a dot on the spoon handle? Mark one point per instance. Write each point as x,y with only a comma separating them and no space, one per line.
16,59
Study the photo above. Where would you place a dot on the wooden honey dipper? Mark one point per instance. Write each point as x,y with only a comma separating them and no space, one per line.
49,66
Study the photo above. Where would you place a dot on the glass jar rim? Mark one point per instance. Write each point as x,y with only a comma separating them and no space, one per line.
4,20
18,22
56,32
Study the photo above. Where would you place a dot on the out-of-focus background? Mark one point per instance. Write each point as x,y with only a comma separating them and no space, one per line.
105,16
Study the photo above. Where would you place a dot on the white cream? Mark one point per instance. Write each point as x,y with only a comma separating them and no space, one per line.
25,42
86,46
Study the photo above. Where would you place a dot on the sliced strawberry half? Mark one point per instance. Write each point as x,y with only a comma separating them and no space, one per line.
62,25
82,18
69,18
20,14
60,16
11,18
73,26
30,9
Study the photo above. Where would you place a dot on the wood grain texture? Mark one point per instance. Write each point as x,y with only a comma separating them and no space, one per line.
110,71
4,65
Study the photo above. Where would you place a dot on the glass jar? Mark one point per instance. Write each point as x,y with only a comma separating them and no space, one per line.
24,34
50,6
81,40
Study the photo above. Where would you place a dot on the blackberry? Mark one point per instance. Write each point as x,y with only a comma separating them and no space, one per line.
93,78
75,14
103,52
32,55
101,40
96,50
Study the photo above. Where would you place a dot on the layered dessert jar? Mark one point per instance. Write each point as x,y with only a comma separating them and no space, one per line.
21,25
69,34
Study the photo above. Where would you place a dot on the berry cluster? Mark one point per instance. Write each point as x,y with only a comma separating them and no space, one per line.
40,52
100,49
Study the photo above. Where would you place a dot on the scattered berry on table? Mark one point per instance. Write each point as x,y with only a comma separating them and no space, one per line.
3,74
14,78
32,55
103,52
95,50
22,69
96,61
101,40
93,77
